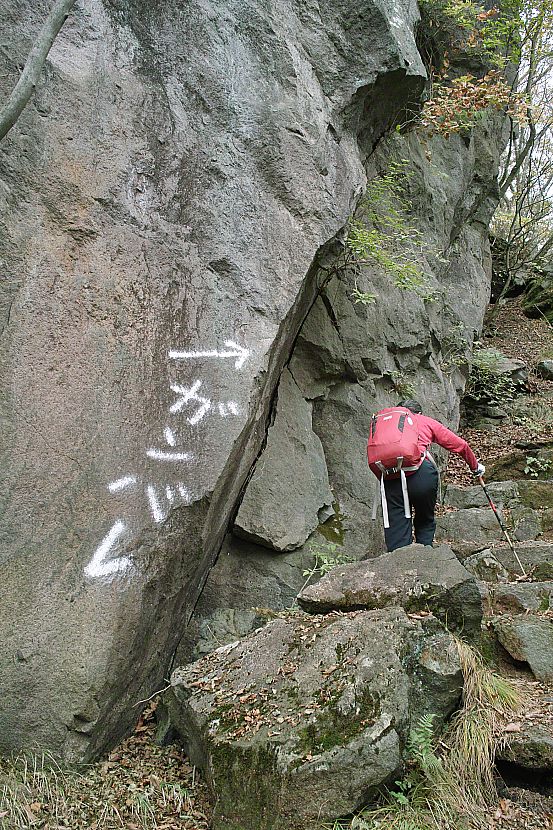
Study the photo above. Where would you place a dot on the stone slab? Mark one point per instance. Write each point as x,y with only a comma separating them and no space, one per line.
415,577
289,494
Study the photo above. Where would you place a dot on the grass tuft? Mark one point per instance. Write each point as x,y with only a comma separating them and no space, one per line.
454,788
140,786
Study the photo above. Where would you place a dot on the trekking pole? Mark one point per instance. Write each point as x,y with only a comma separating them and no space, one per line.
501,525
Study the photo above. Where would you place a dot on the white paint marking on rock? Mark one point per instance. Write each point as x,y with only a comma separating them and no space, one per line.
121,484
158,513
170,436
98,565
200,413
184,493
235,350
186,393
190,394
162,455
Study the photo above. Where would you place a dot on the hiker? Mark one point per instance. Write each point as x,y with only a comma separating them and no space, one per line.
408,476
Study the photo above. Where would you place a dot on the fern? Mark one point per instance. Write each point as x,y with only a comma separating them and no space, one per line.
421,747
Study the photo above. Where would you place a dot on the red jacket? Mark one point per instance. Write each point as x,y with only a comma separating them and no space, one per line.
431,431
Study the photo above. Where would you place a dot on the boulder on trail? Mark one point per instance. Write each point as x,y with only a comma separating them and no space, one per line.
526,523
519,597
533,555
528,639
301,721
503,493
477,525
535,493
485,566
531,748
416,577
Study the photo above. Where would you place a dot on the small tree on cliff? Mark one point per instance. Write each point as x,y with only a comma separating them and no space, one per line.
524,220
514,39
29,78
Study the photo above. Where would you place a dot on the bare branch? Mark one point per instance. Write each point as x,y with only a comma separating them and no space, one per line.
30,76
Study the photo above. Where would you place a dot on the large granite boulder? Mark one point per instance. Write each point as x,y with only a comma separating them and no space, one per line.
417,578
165,199
299,723
165,254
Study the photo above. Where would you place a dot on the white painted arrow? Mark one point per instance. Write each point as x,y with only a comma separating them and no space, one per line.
235,350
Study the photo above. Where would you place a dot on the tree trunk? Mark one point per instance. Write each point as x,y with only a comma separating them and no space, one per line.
28,80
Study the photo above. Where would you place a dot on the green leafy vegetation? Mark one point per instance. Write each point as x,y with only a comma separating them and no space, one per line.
536,467
456,106
382,233
363,297
327,555
486,383
492,34
453,345
492,37
405,388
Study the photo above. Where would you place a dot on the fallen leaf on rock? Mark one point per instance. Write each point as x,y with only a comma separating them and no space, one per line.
512,727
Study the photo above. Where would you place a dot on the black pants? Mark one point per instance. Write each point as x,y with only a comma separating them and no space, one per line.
422,487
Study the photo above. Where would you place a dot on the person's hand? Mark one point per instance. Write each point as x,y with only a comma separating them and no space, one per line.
480,470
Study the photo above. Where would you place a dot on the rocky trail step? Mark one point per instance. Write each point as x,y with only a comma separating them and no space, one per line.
518,610
307,716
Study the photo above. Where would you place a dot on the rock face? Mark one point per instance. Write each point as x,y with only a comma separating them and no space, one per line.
532,749
477,525
533,555
530,596
503,493
163,201
288,495
416,577
530,640
173,202
300,722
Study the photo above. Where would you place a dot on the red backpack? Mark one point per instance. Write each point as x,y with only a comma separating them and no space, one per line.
393,442
392,451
